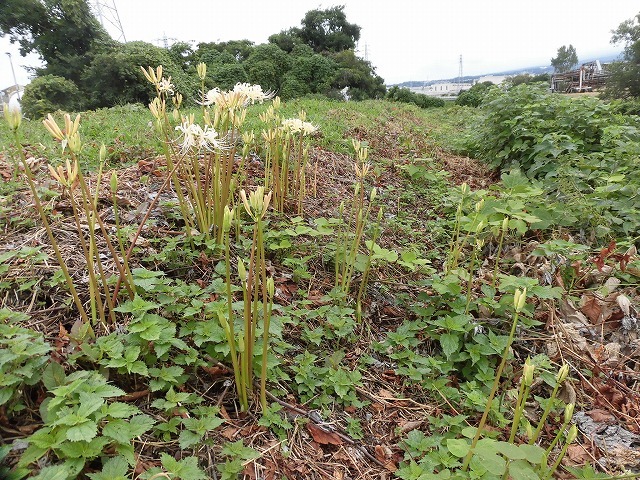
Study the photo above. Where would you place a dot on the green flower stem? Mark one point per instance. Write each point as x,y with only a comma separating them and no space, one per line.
52,240
545,414
494,389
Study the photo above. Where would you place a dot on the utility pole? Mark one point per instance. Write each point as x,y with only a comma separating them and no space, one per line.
460,75
107,12
15,81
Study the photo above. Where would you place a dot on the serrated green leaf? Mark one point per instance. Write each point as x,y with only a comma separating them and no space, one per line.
89,403
84,431
53,376
188,439
121,410
186,469
114,468
450,343
118,430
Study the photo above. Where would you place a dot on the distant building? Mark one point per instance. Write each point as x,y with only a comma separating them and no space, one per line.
443,89
495,79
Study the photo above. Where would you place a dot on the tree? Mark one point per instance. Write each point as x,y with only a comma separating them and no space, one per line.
565,60
49,93
358,76
625,74
115,77
323,30
64,33
266,66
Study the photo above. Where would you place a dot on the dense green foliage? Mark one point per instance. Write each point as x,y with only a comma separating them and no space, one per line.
404,95
474,96
583,150
625,75
316,58
48,93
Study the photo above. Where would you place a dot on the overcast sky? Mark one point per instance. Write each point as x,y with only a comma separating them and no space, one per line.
404,39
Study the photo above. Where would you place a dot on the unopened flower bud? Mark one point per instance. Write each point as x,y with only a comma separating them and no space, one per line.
573,434
568,412
12,115
242,271
271,287
114,182
505,224
563,373
464,188
527,373
103,153
519,299
201,68
227,219
374,192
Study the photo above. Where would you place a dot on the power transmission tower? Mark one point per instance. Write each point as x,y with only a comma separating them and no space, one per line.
107,13
460,73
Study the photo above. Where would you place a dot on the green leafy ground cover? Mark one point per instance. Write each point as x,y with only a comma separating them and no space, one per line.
455,322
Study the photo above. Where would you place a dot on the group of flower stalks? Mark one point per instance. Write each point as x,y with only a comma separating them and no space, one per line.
206,165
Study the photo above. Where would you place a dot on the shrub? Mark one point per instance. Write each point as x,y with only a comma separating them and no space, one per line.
404,95
475,95
115,78
49,93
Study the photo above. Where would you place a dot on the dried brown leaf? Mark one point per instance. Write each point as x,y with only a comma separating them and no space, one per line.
322,436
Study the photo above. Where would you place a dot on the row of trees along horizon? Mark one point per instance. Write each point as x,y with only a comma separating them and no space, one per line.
84,68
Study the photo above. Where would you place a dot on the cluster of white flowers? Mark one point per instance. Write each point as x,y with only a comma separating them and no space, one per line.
241,95
253,93
295,125
194,136
165,86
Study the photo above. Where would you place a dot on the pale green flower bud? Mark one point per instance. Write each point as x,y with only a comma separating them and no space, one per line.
201,68
374,192
227,219
527,373
481,226
242,271
479,205
103,153
529,429
563,373
568,412
573,434
519,299
13,116
505,224
464,188
271,287
114,182
356,144
75,145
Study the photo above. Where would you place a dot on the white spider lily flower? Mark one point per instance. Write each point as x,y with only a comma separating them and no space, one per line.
295,125
194,136
213,96
165,86
253,93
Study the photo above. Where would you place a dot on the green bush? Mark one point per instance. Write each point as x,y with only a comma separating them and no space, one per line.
23,355
49,93
475,95
404,95
115,78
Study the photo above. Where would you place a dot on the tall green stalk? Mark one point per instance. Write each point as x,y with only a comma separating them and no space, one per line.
519,300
